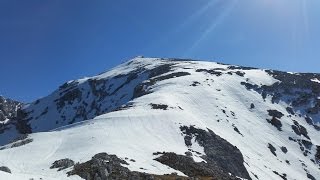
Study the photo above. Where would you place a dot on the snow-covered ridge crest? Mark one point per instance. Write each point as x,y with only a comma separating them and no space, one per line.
161,116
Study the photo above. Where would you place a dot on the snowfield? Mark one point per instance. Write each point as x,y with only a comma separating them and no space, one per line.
216,101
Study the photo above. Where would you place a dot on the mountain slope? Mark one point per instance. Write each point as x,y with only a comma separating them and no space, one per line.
163,116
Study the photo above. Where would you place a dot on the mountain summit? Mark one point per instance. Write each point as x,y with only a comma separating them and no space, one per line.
154,118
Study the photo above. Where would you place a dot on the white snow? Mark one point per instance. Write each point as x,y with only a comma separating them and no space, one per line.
5,121
315,80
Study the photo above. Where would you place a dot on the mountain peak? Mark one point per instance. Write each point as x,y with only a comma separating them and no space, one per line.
149,117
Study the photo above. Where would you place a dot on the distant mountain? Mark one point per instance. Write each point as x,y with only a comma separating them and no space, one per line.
155,118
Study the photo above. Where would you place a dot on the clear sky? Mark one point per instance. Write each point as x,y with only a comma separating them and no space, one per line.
44,43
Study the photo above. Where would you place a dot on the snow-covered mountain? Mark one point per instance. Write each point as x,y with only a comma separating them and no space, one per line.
153,118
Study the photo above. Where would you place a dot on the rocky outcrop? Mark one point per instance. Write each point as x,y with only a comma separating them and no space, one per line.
109,167
188,166
5,169
62,164
222,157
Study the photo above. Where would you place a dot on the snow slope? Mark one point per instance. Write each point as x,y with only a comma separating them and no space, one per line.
206,95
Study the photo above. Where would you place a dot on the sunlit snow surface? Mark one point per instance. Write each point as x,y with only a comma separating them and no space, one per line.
136,133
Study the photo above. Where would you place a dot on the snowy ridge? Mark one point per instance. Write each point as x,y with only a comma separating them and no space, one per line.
144,106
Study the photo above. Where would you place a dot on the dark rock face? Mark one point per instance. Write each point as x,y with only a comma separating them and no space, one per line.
5,169
275,120
62,164
220,155
109,167
187,165
9,114
21,123
317,156
8,108
300,130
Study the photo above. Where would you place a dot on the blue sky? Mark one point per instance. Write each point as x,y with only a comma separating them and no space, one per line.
44,43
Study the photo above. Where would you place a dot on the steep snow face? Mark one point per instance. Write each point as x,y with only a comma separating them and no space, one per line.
270,116
84,99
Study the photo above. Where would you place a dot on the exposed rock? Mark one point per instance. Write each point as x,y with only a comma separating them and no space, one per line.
283,176
62,164
8,108
290,110
300,130
239,73
21,143
220,154
68,98
275,113
310,176
210,71
237,130
252,106
109,167
284,149
272,149
195,83
159,106
21,123
317,156
5,169
276,123
232,67
191,168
